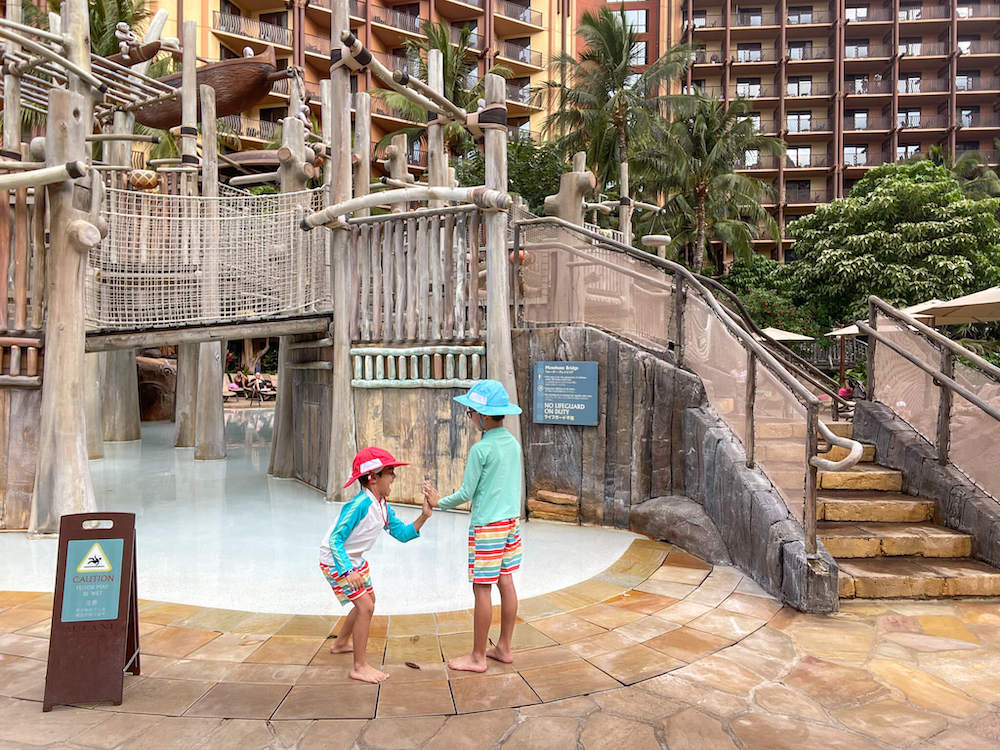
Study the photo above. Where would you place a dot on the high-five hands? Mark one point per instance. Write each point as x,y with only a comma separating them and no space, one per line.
431,495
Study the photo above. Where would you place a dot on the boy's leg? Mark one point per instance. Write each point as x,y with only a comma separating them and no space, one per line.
342,644
364,606
481,619
508,616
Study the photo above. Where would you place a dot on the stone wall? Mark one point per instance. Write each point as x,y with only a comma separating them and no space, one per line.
961,505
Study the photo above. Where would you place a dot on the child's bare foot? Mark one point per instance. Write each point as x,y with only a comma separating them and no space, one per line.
467,664
368,673
341,646
494,652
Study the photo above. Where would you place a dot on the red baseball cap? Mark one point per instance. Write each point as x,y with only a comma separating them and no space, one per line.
370,460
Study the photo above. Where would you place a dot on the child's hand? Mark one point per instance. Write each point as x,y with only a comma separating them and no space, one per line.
428,508
431,495
355,580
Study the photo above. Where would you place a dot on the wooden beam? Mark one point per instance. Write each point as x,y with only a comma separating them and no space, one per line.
104,341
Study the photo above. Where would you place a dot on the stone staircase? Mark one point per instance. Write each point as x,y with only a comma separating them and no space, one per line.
887,543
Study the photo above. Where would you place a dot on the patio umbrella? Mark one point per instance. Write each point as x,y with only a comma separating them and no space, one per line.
978,307
918,311
778,335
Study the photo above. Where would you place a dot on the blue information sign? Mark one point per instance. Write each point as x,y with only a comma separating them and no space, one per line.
93,580
565,393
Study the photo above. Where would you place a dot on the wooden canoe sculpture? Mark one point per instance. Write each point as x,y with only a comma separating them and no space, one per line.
137,54
239,84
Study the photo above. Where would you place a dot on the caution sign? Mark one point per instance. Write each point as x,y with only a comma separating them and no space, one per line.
95,610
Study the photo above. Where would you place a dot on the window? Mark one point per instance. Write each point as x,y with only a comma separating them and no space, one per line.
855,156
637,20
966,10
697,86
909,46
908,118
630,80
856,12
799,156
856,119
748,87
856,48
857,84
754,118
965,146
909,83
909,11
800,14
700,54
700,19
967,80
275,19
798,122
639,54
965,43
273,114
751,158
799,86
750,17
968,116
231,9
798,191
800,50
907,151
748,52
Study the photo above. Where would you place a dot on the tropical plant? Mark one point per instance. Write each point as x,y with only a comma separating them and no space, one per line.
104,16
459,65
533,170
603,100
974,175
691,161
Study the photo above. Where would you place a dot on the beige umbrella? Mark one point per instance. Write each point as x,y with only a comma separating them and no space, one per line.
779,335
918,311
978,307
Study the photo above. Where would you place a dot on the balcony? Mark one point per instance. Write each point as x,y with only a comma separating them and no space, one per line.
519,54
858,16
708,21
251,28
807,161
923,49
806,17
380,109
761,18
979,120
707,57
812,125
246,127
922,85
866,124
757,161
474,42
398,62
920,122
460,10
356,8
751,90
520,134
924,13
519,93
280,87
519,13
869,158
755,55
980,47
416,155
804,54
866,52
978,11
404,22
806,196
317,45
976,83
802,89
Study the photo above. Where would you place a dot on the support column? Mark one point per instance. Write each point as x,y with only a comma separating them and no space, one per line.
337,132
93,391
210,417
437,160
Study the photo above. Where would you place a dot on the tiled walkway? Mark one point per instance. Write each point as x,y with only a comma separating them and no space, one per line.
660,650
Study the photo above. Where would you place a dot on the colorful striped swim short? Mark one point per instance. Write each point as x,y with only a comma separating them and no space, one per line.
494,550
338,582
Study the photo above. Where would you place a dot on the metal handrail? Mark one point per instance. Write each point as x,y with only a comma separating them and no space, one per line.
755,352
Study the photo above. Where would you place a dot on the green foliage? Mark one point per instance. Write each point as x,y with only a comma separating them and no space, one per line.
769,308
263,190
533,171
104,16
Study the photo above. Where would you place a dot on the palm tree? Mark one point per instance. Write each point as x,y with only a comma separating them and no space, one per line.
692,159
104,15
974,175
458,69
603,99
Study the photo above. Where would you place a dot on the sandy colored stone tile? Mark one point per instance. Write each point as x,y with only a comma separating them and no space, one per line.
834,685
891,722
235,647
750,587
979,612
176,642
323,658
323,676
152,666
401,734
780,733
231,700
686,644
567,628
754,606
399,673
543,732
544,657
208,618
407,625
414,699
721,673
784,619
726,624
156,695
174,733
640,601
959,739
264,623
924,689
19,618
487,692
666,589
15,598
602,643
593,590
987,725
893,622
167,614
711,595
634,663
537,607
771,642
472,731
246,734
19,723
768,667
526,636
565,680
682,613
309,626
417,648
23,645
679,558
946,626
607,732
693,730
928,643
607,616
117,729
646,628
778,699
679,574
339,733
715,702
456,621
976,674
285,649
197,669
634,703
280,674
349,701
835,640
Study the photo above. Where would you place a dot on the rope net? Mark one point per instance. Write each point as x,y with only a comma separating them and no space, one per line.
171,261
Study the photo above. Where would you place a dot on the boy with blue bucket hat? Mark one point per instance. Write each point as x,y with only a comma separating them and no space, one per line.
492,482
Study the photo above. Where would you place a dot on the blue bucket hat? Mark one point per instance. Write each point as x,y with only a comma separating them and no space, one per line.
488,397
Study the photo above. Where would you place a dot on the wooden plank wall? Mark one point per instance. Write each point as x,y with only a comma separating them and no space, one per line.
20,414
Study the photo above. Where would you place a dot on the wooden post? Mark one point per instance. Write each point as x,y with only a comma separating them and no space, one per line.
186,404
625,207
809,508
362,146
679,294
437,164
337,132
751,395
292,179
944,407
499,354
11,112
62,483
210,421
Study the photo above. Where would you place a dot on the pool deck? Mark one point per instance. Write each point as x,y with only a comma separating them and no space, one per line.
659,650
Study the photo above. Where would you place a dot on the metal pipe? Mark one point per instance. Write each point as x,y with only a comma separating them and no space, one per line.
480,196
809,507
46,176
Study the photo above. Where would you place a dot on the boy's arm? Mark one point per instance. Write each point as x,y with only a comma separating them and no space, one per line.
404,532
349,519
470,480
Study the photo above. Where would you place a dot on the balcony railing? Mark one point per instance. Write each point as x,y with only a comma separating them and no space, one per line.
705,56
751,91
814,16
869,158
922,85
860,52
280,87
869,14
246,127
809,53
397,62
980,47
397,19
761,161
356,8
868,123
806,196
755,55
475,41
979,11
922,49
801,89
519,93
924,13
525,55
515,134
806,161
986,83
979,119
764,18
708,21
416,155
921,121
517,12
317,44
709,91
251,27
813,125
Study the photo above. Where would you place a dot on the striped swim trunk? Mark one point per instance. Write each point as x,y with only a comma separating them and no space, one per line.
338,582
494,549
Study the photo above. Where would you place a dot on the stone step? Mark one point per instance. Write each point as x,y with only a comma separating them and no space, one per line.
836,453
888,507
846,539
861,477
916,577
791,451
841,429
767,429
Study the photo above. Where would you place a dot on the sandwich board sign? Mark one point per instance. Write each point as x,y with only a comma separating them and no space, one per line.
95,610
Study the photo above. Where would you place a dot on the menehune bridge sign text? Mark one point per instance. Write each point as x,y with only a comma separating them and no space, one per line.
565,393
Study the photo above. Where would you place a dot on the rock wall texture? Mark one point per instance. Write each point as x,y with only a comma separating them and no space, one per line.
961,505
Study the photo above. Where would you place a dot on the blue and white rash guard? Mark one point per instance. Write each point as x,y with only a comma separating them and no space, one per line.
356,530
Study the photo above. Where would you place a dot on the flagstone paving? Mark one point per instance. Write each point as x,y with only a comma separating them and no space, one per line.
689,656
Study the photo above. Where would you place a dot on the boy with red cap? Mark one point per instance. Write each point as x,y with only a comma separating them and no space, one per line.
341,555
